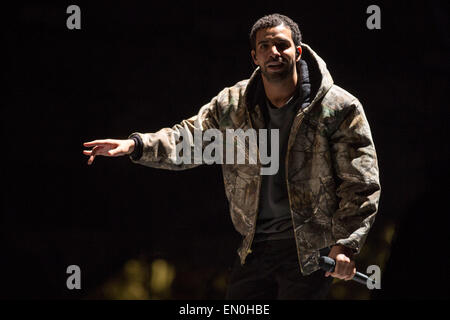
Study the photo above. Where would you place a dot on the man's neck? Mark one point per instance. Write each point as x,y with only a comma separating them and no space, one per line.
280,92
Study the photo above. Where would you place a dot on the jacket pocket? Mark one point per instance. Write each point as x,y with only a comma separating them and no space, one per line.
314,199
241,194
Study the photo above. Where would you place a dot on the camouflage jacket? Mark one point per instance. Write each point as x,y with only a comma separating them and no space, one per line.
331,163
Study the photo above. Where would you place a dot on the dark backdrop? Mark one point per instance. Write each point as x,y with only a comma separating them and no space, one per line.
140,67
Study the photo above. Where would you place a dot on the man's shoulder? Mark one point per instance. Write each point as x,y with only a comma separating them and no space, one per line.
230,96
242,84
239,87
337,98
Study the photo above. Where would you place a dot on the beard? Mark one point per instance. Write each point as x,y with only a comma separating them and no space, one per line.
278,75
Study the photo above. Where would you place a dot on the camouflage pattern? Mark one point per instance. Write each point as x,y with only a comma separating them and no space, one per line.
331,164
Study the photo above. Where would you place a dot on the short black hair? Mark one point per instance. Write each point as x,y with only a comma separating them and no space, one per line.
274,20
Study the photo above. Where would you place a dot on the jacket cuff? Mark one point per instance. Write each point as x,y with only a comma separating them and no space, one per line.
138,147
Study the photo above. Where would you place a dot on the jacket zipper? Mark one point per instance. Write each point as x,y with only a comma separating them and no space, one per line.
293,130
248,249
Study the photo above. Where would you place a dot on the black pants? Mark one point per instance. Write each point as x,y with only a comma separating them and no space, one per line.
272,271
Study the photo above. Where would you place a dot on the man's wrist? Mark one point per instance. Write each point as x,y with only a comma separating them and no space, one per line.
132,146
345,250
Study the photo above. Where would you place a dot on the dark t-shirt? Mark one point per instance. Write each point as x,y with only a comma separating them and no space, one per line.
274,219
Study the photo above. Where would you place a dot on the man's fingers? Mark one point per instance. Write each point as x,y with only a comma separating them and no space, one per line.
345,267
91,159
97,142
92,153
337,275
338,269
350,277
104,151
352,274
346,274
97,150
104,147
350,270
342,265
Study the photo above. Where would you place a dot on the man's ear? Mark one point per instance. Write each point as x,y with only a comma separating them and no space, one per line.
299,53
253,54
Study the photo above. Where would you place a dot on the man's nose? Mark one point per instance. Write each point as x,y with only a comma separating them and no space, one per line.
274,52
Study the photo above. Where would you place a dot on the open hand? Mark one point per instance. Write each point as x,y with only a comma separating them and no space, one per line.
108,148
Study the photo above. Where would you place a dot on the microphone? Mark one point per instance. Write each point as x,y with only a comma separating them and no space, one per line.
328,264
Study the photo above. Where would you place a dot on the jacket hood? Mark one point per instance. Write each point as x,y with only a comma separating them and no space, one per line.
319,77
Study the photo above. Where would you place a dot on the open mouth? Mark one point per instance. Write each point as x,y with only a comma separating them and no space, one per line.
275,65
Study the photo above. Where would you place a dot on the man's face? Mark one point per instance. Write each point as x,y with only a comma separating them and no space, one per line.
275,53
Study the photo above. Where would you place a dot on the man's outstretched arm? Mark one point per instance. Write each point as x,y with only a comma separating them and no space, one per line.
158,149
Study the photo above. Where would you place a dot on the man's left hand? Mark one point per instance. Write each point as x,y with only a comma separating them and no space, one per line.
345,267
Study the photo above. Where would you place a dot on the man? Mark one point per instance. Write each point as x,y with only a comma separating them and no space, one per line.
324,197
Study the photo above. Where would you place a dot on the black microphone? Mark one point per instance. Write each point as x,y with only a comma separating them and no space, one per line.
328,264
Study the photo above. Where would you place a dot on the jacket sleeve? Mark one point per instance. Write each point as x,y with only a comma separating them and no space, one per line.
355,163
159,149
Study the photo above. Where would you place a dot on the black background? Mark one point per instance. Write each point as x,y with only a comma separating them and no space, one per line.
142,66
